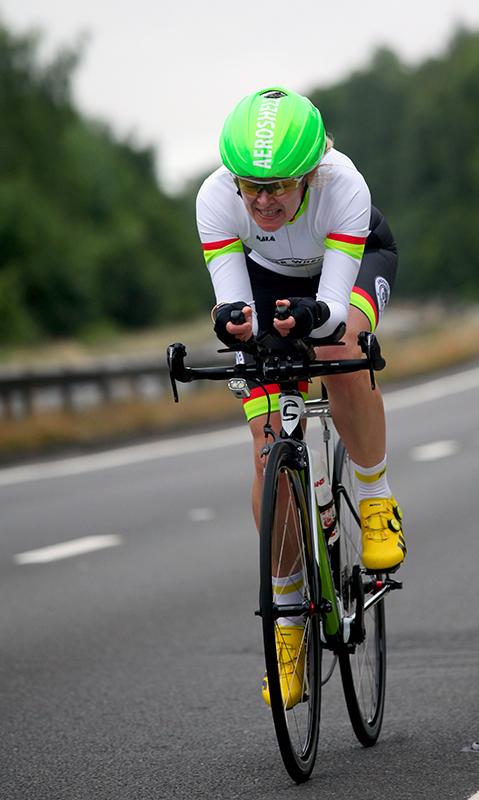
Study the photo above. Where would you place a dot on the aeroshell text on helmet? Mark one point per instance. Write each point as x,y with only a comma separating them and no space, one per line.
266,122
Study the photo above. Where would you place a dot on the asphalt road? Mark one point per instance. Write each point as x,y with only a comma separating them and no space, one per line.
132,671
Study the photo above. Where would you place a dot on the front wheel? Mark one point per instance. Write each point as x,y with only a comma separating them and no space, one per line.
286,549
363,666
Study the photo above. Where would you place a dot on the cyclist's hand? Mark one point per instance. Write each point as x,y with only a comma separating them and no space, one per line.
230,332
284,324
243,331
305,314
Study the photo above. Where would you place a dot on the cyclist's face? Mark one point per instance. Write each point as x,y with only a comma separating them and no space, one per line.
269,212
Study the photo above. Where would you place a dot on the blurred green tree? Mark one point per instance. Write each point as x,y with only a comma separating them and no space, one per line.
414,133
87,238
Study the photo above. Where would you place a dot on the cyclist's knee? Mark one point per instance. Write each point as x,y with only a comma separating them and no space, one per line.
349,348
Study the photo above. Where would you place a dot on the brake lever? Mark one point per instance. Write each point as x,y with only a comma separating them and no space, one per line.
174,389
369,345
175,355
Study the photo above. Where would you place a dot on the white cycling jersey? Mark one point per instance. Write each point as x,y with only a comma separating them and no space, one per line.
327,235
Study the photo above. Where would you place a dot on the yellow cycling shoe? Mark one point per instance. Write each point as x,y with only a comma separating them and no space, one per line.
290,650
384,547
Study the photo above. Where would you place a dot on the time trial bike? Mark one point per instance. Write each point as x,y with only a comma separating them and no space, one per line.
341,611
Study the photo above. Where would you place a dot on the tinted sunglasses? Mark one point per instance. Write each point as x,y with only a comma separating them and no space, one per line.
276,188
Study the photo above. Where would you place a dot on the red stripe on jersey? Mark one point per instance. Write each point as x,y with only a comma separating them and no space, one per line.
273,388
357,290
343,237
219,245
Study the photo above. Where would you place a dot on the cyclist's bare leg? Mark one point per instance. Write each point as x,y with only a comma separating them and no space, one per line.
257,431
285,540
358,412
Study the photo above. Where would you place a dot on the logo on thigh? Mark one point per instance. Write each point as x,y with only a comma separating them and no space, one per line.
383,293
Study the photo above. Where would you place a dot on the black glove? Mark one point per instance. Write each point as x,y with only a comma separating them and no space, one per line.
223,316
308,314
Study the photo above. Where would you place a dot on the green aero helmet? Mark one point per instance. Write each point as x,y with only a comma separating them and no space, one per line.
273,133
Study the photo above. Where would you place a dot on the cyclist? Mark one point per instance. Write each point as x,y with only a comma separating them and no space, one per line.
288,220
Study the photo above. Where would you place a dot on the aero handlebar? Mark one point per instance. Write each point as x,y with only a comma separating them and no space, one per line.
276,361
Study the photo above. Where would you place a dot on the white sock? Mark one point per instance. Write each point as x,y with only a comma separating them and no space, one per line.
371,481
289,591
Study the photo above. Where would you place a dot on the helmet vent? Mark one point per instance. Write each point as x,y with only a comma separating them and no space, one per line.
274,95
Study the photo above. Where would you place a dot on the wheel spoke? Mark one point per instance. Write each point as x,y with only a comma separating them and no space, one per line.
363,671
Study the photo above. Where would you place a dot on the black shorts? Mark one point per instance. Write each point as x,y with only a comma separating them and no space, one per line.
371,292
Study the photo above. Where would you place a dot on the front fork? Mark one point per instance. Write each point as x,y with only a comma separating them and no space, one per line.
329,606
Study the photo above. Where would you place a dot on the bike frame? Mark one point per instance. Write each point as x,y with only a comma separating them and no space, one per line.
271,367
333,604
338,629
293,410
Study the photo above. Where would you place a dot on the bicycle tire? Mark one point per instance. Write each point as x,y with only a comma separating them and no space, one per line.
363,667
297,728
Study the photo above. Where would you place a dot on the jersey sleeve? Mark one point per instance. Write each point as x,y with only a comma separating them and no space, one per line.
348,229
221,243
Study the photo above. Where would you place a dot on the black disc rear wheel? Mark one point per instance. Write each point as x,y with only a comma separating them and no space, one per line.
286,548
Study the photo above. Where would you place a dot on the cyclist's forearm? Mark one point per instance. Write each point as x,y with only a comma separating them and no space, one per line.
338,277
230,280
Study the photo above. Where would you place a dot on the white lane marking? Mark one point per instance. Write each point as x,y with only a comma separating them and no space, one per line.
432,390
125,456
201,514
75,547
434,450
474,796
